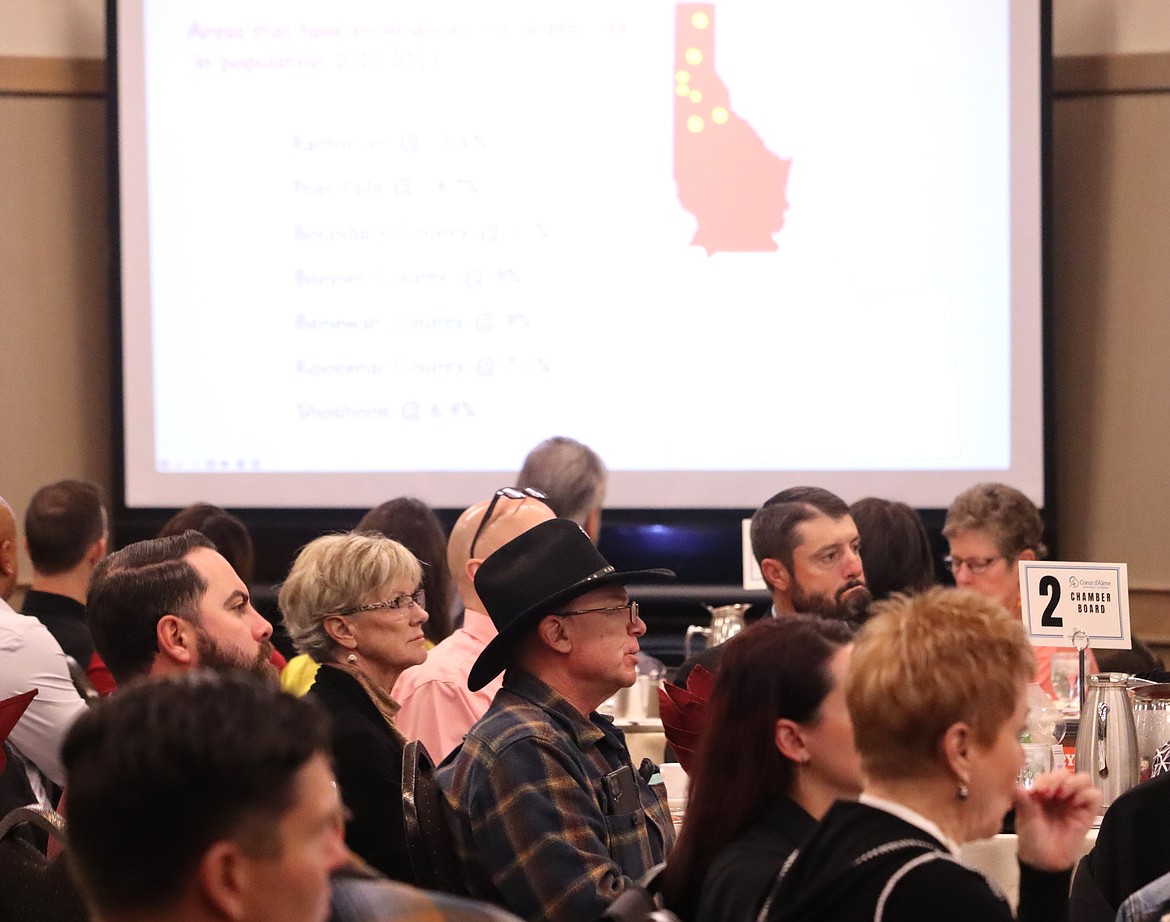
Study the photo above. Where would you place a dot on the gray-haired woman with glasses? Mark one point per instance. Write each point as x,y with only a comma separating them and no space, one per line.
990,527
353,603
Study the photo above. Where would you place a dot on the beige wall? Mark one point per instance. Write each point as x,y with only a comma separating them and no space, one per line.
53,28
1112,326
54,339
1082,27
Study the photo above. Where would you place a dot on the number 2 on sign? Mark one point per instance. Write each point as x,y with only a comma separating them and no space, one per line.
1049,585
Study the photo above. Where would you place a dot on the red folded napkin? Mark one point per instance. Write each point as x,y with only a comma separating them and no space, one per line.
684,713
11,710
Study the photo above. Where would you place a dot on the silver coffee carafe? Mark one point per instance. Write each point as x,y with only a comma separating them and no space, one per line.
1107,749
726,622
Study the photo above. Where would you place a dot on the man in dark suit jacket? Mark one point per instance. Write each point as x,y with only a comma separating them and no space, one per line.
807,546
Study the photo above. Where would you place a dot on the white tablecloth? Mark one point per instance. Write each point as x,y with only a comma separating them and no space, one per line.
644,739
997,858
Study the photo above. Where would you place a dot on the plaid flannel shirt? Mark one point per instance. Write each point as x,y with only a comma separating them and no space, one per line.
369,897
532,825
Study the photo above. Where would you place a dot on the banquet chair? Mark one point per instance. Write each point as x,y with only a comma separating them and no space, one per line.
641,901
16,791
34,888
81,682
48,821
428,836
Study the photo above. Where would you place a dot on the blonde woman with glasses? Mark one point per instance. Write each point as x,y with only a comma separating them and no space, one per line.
353,603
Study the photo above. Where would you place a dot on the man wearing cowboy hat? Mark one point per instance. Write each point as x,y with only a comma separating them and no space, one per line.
552,820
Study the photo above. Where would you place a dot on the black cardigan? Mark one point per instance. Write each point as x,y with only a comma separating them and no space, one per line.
742,873
826,882
1130,852
367,758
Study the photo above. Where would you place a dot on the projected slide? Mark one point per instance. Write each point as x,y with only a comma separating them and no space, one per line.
397,244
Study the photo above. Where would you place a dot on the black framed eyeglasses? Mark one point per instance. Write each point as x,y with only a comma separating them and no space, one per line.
398,603
509,493
632,607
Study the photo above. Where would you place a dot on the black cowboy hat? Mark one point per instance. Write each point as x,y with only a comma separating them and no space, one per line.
531,575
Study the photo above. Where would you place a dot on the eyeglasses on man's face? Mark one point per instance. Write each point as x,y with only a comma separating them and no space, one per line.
508,493
631,607
400,603
976,565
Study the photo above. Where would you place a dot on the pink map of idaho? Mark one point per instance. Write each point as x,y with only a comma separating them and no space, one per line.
732,184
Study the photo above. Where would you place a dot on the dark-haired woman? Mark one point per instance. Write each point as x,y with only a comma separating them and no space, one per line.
894,546
778,753
413,523
938,695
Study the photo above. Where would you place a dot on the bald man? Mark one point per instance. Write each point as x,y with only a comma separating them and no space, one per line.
30,657
437,706
7,551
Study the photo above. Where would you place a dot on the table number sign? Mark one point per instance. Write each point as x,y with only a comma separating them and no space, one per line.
752,577
1061,599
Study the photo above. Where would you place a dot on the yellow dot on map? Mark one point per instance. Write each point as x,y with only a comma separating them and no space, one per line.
719,115
696,96
700,20
694,124
682,76
694,57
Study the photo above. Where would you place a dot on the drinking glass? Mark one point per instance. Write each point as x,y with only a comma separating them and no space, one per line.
1037,761
1065,672
1046,723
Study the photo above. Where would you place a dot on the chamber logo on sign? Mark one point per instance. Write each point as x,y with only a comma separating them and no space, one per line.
1074,583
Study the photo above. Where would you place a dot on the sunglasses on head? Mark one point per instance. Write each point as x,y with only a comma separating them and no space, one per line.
508,493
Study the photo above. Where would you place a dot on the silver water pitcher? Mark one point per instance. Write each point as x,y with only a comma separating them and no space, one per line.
1107,749
726,622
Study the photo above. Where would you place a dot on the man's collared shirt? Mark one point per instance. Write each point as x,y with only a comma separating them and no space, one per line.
534,825
437,706
31,658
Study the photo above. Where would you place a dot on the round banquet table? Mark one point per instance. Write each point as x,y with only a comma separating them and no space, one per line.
997,859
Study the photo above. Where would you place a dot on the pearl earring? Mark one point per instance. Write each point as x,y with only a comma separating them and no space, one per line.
351,659
963,792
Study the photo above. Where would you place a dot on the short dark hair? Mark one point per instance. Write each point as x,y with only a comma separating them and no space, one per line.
228,533
164,769
778,667
773,528
414,525
132,589
63,521
895,548
571,475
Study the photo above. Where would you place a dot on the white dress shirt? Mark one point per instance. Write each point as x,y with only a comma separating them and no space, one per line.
30,657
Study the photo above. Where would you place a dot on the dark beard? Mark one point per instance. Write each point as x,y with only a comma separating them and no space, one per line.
213,656
844,608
